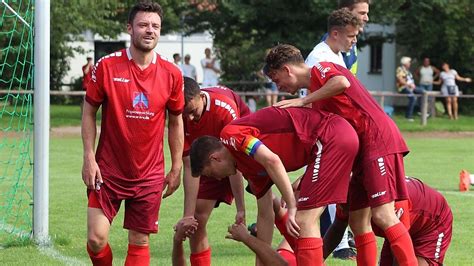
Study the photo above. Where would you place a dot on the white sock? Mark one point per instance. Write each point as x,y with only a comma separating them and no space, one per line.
472,179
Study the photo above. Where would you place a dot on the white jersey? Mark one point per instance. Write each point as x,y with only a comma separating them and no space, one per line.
323,53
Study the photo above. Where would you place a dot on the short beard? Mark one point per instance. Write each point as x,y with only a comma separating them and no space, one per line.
140,47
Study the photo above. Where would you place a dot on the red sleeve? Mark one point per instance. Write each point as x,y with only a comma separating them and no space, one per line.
95,92
175,104
243,108
241,138
321,73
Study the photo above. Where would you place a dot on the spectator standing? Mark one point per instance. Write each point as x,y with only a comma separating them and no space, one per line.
449,88
188,69
211,69
177,59
406,85
426,73
86,69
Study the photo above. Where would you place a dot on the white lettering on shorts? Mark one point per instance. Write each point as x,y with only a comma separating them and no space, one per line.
317,162
303,199
378,194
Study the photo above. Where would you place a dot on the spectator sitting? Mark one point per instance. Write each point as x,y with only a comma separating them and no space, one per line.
406,85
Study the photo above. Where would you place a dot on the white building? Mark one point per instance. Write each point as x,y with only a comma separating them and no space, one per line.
96,47
377,61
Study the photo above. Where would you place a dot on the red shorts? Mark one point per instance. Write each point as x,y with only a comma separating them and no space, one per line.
378,182
326,179
259,185
432,242
213,189
142,205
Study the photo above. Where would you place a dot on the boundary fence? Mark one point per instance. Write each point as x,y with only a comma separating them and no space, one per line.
381,97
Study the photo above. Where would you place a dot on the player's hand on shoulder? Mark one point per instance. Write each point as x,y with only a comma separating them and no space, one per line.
172,182
297,102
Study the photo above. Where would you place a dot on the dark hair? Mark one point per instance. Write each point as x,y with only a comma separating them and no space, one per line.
280,55
175,55
201,149
341,18
191,90
350,3
145,6
89,58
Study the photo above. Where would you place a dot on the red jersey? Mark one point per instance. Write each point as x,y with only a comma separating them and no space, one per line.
134,104
428,207
378,134
283,131
222,107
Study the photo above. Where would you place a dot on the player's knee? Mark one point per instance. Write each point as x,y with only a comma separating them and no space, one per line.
384,219
96,242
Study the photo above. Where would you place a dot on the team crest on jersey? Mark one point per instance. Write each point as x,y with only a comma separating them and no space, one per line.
140,100
140,104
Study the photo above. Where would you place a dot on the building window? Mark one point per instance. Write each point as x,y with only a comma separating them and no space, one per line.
104,48
376,57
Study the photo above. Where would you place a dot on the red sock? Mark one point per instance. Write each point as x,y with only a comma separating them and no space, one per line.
102,258
288,256
310,251
281,226
366,249
401,244
137,255
202,258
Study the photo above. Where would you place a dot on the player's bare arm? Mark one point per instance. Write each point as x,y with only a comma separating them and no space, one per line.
191,189
90,168
176,143
265,219
237,186
277,172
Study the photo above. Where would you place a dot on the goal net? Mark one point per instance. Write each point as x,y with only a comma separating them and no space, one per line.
16,121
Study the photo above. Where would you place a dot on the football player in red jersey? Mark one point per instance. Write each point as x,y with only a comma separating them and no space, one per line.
136,88
206,112
427,216
378,174
264,150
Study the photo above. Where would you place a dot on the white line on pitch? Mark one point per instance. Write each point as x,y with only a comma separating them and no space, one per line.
49,251
455,193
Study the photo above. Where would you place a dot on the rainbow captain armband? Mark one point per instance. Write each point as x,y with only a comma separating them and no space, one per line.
251,145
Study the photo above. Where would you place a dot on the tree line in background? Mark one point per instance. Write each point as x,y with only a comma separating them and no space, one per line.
243,29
